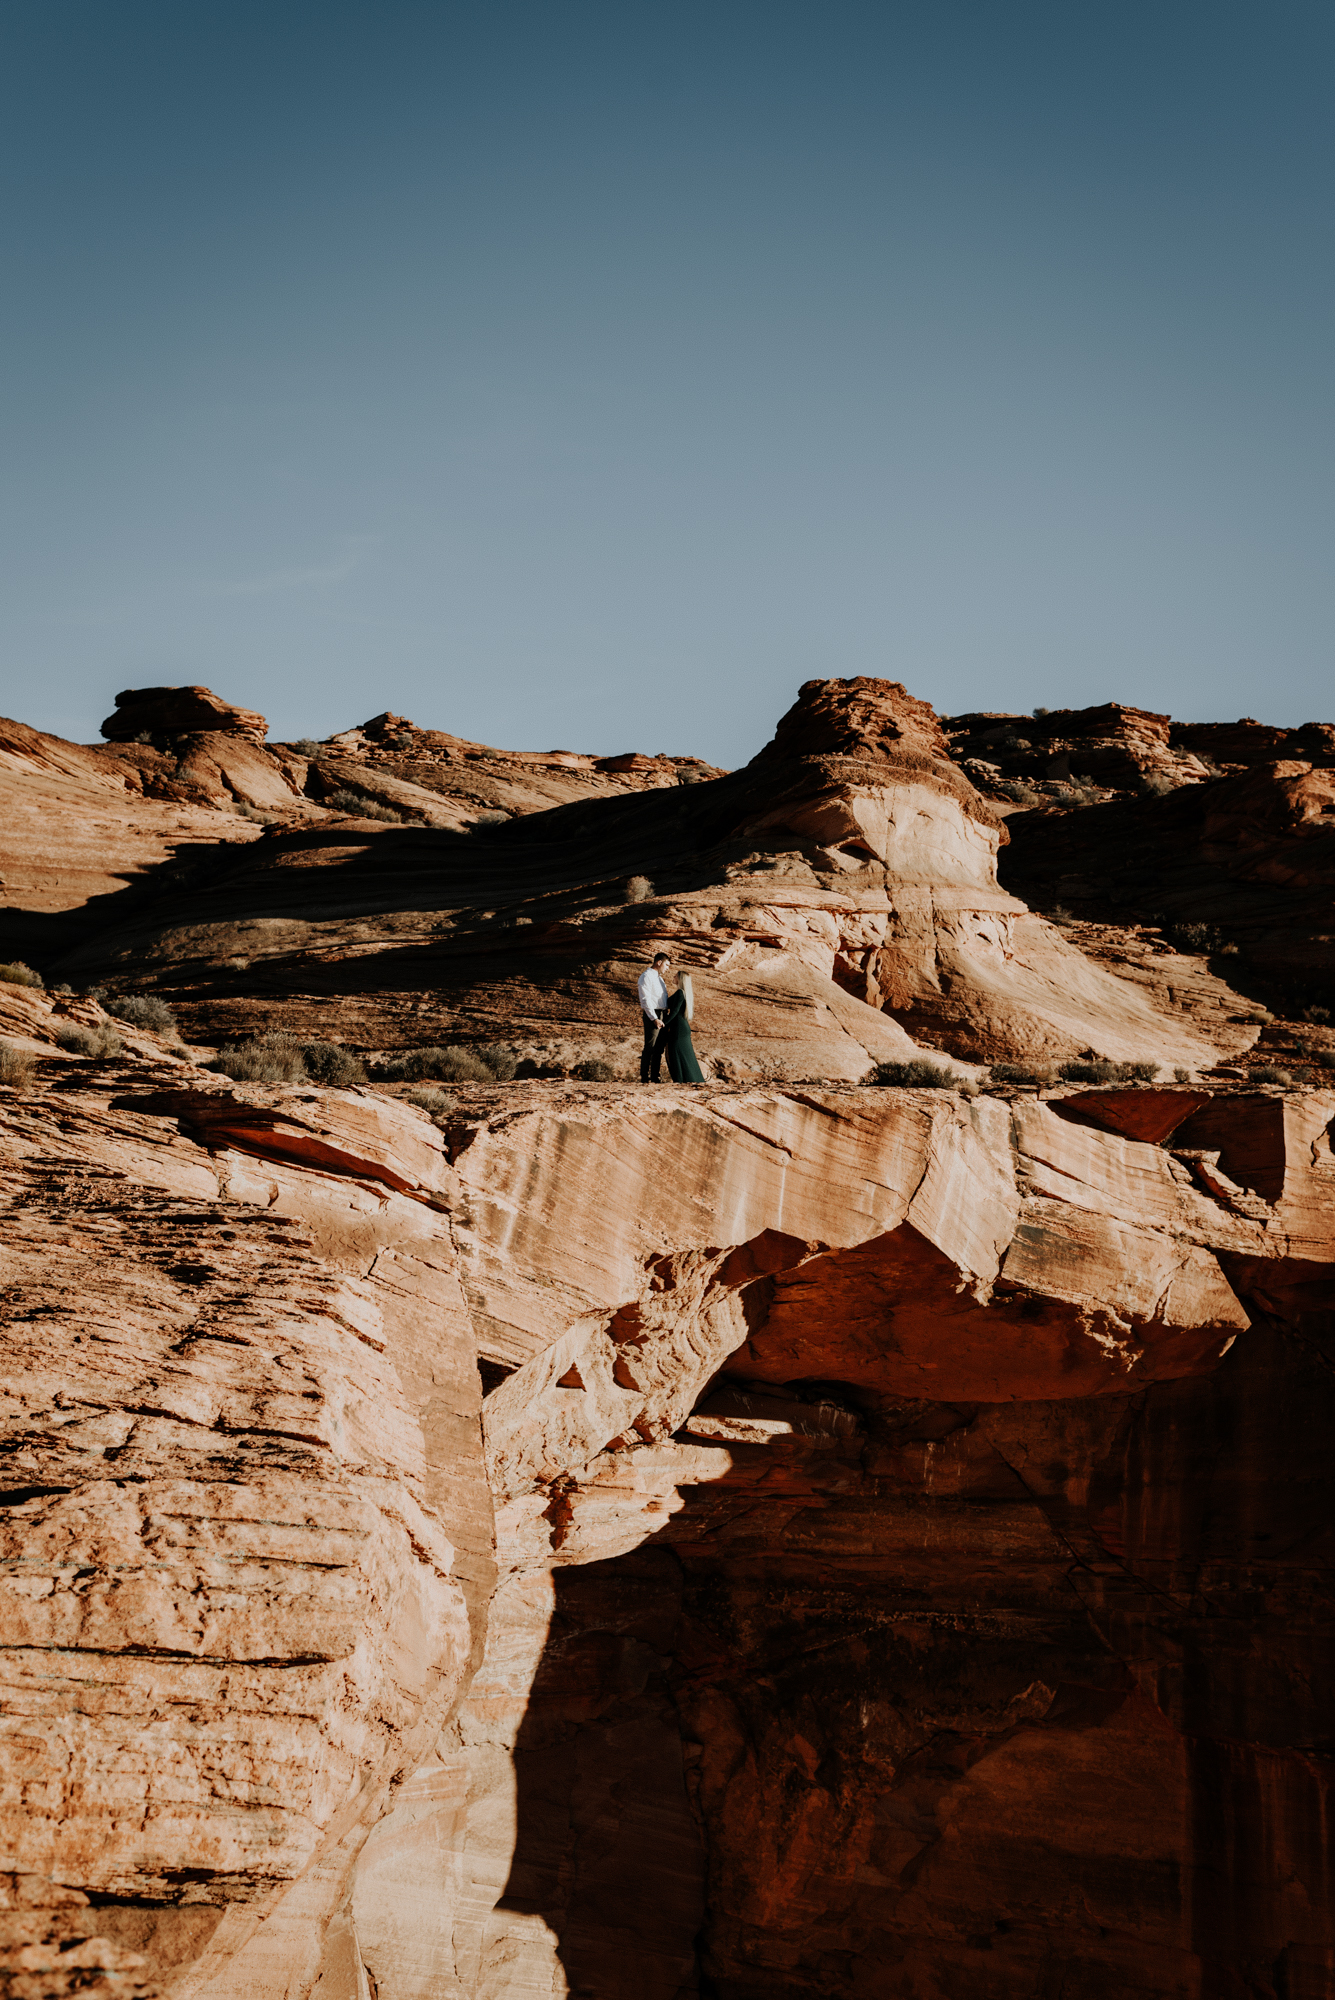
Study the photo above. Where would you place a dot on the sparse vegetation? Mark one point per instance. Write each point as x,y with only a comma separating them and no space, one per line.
638,889
595,1070
1194,937
358,807
436,1103
1318,1016
280,1057
143,1010
306,746
1019,794
491,819
1102,1069
16,1065
330,1063
1037,712
917,1074
97,1043
448,1065
19,974
498,1060
1061,915
257,813
1012,1072
1256,1018
1270,1073
1157,784
1181,1075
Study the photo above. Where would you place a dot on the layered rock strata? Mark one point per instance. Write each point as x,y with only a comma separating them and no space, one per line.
908,1572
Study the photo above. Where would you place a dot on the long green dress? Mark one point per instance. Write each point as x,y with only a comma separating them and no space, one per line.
677,1044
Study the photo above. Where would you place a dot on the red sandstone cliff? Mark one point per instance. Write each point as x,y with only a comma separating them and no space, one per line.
890,1557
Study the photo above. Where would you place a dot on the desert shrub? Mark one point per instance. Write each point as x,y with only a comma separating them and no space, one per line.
449,1065
16,1065
1061,915
1101,1069
1181,1075
917,1074
689,777
1098,1071
19,974
1195,937
330,1063
143,1010
1257,1017
1036,712
257,813
1157,785
1010,741
595,1070
1326,1057
436,1103
1019,793
1010,1072
1270,1073
95,1042
498,1060
491,819
638,889
1318,1016
346,801
258,1062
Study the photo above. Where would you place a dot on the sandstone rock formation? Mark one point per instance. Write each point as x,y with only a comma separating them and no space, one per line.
783,1537
906,1572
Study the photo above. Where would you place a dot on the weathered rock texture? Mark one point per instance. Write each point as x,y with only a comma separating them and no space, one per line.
837,901
908,1570
782,1537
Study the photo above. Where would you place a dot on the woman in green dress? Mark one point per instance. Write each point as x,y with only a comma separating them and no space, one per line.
677,1044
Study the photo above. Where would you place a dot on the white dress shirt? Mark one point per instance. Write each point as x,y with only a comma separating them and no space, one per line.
653,993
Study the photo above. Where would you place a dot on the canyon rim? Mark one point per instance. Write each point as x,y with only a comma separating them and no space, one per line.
479,1526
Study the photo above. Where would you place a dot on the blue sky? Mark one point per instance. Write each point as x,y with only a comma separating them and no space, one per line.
587,376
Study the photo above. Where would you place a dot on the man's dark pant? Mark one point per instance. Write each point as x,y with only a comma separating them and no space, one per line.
651,1062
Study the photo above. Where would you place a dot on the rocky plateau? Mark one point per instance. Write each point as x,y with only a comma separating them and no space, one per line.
480,1526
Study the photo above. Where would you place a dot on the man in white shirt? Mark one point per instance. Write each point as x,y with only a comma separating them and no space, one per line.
653,1005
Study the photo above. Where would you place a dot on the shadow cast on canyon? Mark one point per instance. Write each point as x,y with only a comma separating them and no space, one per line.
905,1722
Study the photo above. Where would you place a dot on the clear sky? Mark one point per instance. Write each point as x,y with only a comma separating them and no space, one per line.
588,376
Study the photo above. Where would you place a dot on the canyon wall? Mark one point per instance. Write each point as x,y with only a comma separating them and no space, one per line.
909,1571
796,1535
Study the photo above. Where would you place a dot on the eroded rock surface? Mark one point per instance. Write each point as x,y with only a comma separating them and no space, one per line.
906,1507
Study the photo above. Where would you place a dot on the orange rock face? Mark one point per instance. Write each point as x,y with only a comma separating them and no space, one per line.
783,1536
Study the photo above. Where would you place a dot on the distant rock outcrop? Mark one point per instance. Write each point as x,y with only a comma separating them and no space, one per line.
179,711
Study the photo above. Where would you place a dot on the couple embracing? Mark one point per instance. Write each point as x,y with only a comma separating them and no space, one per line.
667,1025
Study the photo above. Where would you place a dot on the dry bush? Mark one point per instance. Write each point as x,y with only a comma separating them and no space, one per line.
637,890
274,1058
1181,1075
1101,1069
19,974
1270,1073
499,1060
492,819
306,746
449,1065
257,813
1011,1072
16,1065
98,1043
919,1074
594,1071
346,801
437,1104
330,1063
1157,785
142,1010
1195,937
